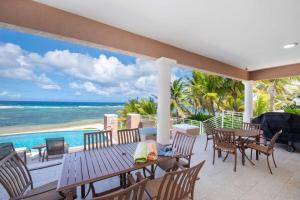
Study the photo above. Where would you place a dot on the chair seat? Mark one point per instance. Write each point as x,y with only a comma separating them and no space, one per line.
169,164
47,191
227,147
261,148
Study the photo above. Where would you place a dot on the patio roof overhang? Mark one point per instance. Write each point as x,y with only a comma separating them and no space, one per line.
42,19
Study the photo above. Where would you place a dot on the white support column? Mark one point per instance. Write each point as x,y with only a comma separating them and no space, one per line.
164,95
248,101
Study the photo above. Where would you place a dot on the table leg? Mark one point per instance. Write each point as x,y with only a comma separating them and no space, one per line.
257,140
243,152
152,172
82,191
25,158
40,154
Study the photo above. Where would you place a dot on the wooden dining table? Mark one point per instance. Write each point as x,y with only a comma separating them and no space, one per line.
242,134
84,167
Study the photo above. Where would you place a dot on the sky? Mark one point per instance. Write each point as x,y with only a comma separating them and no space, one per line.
36,68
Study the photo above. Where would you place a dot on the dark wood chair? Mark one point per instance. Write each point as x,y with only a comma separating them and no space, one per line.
8,147
96,140
182,144
267,150
225,141
208,128
252,127
126,136
54,147
175,185
135,191
16,180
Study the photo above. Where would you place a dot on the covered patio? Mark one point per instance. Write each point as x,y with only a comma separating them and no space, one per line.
244,42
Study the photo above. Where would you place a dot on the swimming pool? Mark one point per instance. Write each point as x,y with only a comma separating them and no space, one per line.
73,138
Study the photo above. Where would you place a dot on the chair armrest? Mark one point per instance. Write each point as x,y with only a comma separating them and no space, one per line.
177,164
139,176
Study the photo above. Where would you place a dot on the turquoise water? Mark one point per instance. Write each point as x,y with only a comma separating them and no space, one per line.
73,138
29,113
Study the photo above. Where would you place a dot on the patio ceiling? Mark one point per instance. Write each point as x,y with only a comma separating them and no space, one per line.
243,41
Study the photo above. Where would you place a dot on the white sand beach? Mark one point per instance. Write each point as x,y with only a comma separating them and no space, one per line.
79,125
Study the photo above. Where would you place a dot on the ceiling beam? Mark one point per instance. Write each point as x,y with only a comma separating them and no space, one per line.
48,20
275,72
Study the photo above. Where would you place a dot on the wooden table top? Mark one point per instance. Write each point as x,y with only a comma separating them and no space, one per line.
240,132
93,165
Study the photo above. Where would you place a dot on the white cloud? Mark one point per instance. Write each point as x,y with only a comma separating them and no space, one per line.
10,94
18,64
77,93
99,75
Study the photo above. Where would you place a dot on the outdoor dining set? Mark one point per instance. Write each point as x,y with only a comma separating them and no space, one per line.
101,160
133,162
248,136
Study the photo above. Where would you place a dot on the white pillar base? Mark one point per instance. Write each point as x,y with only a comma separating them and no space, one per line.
164,94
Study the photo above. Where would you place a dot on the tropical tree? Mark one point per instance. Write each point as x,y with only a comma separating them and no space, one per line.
204,89
279,89
141,106
233,90
179,101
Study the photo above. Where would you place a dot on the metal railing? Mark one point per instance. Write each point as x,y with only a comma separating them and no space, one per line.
225,119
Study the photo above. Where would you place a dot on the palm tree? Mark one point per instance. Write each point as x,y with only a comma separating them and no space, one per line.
234,89
179,94
278,88
204,90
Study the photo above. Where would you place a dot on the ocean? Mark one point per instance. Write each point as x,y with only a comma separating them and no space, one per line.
30,113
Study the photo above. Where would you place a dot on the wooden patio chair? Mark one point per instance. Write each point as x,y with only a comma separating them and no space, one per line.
96,140
8,147
182,144
267,150
16,180
54,147
175,185
225,141
135,191
252,127
126,136
209,128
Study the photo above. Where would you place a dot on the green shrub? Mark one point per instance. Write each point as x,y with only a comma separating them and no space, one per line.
293,109
200,116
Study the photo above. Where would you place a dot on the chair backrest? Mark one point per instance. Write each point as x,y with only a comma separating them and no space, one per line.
55,146
177,185
5,149
133,192
14,175
129,136
184,144
96,140
208,127
224,138
274,138
251,127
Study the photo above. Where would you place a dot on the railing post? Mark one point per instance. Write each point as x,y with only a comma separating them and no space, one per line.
222,122
232,117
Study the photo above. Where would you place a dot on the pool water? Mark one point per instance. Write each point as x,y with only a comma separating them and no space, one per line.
73,138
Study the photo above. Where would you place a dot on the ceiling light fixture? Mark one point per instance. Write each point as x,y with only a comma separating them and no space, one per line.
291,45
